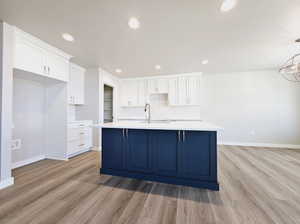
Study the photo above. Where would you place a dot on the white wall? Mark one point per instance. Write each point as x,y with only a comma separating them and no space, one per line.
258,107
6,82
253,107
28,118
93,106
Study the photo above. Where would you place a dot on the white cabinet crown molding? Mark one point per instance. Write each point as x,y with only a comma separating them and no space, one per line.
163,76
37,42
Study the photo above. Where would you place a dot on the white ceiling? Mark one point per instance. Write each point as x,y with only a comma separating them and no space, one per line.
177,34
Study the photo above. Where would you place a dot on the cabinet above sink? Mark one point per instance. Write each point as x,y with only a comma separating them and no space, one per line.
182,90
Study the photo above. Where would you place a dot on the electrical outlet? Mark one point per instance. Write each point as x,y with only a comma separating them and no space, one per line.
16,144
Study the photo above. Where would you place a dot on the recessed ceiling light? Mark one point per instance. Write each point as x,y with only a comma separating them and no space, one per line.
68,37
157,67
227,5
134,23
118,70
204,62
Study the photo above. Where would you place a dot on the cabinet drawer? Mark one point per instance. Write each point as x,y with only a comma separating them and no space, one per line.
78,145
78,133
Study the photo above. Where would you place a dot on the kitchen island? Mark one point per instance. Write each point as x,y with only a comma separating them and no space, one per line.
182,153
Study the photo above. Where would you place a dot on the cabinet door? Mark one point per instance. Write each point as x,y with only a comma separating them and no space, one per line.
129,91
152,86
138,151
164,147
173,92
158,85
163,85
58,67
193,91
182,91
113,150
142,92
76,84
195,155
29,57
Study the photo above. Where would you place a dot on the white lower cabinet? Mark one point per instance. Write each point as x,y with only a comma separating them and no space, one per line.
79,137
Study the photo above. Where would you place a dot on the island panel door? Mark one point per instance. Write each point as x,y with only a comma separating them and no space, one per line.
113,150
164,148
138,151
194,155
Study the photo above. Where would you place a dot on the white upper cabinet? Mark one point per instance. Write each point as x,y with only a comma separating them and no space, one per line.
58,67
33,55
158,85
29,57
173,92
193,90
129,93
142,92
76,84
184,90
133,93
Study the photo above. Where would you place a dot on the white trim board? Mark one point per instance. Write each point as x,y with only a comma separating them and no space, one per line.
267,145
6,183
27,161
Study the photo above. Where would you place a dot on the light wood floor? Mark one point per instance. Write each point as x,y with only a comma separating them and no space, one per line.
257,186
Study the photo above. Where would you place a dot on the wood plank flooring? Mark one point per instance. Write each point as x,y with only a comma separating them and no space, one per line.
257,185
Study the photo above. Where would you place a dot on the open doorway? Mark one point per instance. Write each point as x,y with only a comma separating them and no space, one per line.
108,104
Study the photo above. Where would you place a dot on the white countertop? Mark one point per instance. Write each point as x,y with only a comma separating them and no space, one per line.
175,125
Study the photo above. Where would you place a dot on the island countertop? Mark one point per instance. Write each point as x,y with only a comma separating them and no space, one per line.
163,125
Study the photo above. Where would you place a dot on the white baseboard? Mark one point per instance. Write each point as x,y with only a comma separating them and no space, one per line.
6,183
267,145
96,148
27,161
56,158
80,152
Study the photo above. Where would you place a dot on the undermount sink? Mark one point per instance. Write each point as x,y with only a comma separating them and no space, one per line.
156,122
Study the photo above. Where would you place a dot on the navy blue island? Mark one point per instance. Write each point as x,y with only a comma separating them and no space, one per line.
174,153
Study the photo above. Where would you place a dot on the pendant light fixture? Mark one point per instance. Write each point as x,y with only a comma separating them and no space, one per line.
291,69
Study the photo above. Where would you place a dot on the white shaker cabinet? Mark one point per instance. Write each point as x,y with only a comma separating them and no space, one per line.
142,93
173,94
129,93
58,67
184,91
158,85
79,137
34,55
76,85
29,57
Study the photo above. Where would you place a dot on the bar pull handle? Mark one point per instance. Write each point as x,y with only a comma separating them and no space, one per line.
178,134
183,136
127,133
123,133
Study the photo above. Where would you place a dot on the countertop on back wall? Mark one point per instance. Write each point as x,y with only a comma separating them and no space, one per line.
163,125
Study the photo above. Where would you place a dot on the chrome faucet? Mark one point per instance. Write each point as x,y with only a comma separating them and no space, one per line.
147,105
